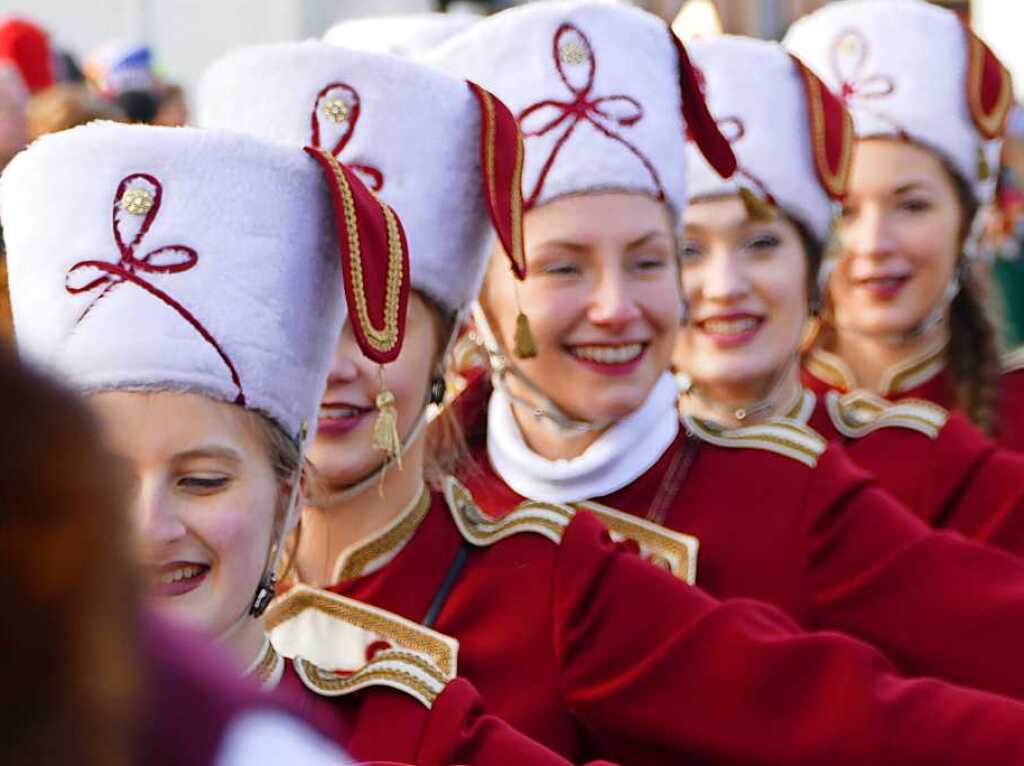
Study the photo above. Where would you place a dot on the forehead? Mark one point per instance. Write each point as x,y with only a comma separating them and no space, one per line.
716,213
887,165
148,427
598,216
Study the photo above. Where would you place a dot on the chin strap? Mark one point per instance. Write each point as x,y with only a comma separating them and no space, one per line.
743,411
543,409
268,579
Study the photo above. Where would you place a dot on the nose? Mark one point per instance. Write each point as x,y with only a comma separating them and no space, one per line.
612,303
343,365
866,235
156,517
722,277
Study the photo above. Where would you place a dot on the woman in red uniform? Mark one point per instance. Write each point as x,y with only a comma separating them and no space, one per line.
590,417
751,249
905,317
537,600
202,335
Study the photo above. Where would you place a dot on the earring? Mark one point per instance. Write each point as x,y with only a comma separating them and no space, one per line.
437,390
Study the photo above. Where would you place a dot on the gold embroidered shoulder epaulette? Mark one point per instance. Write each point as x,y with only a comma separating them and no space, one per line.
404,670
859,413
1014,360
663,547
340,645
546,519
267,668
779,435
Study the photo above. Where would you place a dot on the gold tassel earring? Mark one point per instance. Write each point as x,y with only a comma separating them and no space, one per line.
385,427
525,343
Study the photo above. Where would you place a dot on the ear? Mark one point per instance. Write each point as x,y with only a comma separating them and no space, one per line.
831,132
989,87
501,167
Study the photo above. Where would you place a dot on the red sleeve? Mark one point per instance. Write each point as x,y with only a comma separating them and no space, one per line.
934,602
659,671
459,732
1010,431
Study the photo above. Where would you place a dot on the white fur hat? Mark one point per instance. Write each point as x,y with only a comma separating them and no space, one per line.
792,138
603,92
909,69
409,36
444,154
147,258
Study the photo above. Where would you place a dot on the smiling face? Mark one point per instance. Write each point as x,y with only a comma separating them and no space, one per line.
343,450
901,234
602,296
205,500
746,283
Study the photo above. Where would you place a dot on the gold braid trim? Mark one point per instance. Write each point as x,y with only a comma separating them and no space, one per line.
360,558
835,183
373,674
663,547
490,140
400,631
915,373
546,519
1014,360
990,123
781,436
860,413
382,339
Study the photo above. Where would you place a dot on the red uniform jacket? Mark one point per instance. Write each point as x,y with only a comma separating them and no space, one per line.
584,646
935,461
926,377
386,711
783,518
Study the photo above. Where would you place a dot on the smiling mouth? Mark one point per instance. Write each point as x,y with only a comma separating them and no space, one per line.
177,574
342,411
176,579
730,327
609,354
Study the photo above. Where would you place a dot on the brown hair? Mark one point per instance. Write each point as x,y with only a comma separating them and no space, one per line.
69,637
973,353
64,106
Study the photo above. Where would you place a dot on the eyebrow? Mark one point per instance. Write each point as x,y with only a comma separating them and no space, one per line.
646,238
210,451
910,186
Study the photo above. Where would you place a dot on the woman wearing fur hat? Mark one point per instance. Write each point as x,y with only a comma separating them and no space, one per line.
904,316
202,335
751,254
537,599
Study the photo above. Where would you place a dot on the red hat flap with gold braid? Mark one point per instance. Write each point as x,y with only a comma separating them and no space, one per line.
989,87
701,127
501,162
831,133
374,260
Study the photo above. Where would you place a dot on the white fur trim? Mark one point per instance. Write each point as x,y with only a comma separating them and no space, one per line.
409,36
512,55
755,91
266,285
418,127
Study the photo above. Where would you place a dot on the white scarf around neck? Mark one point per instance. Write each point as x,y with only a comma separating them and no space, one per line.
622,454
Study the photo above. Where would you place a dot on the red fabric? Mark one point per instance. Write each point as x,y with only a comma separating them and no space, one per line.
374,248
831,549
383,725
27,47
960,480
831,131
374,177
700,125
547,638
501,164
989,86
939,390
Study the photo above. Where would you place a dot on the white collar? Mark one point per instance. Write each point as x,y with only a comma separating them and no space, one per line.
622,454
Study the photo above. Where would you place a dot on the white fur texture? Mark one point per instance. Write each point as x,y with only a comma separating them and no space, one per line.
758,84
409,36
267,285
922,50
511,54
420,128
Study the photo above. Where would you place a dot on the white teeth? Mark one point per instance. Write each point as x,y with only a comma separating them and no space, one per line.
609,354
181,573
729,326
339,412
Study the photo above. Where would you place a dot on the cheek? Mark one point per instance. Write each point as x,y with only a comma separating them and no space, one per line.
239,532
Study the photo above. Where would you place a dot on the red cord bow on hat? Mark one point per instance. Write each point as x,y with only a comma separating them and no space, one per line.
136,206
332,123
